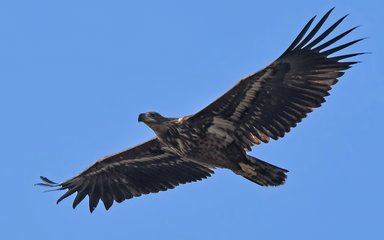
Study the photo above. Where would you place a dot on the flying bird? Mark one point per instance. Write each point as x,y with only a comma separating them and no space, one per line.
262,106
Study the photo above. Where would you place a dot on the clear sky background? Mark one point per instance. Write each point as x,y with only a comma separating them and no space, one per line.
75,75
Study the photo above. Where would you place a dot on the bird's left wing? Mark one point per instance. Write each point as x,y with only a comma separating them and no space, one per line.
139,170
270,102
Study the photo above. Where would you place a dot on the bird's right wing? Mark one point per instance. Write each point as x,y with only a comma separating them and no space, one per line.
139,170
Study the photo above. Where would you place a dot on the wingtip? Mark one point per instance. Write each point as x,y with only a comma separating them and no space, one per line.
355,27
330,11
361,53
310,22
312,19
107,204
360,39
344,17
46,182
91,209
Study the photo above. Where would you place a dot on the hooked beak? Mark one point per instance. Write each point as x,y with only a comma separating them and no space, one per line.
141,117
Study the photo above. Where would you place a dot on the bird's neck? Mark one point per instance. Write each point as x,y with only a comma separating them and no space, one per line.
160,129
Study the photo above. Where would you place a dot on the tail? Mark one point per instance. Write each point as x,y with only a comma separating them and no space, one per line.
261,172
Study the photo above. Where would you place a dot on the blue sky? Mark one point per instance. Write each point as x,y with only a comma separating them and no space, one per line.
75,74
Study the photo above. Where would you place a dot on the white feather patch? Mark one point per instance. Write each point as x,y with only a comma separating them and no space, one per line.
139,159
221,128
249,97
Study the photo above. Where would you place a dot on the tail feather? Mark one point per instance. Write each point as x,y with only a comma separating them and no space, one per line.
261,172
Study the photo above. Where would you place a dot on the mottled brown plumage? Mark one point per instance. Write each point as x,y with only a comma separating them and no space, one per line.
264,105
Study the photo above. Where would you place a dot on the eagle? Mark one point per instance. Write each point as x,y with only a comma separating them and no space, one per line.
262,106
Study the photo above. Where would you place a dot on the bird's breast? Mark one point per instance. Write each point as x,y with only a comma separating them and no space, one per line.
197,145
180,141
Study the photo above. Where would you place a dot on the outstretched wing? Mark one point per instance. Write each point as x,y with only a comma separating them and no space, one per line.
269,103
140,170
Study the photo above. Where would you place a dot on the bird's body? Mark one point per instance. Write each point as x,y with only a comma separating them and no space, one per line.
260,107
200,145
212,145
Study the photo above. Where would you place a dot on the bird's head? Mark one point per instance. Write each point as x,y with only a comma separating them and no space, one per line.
151,118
